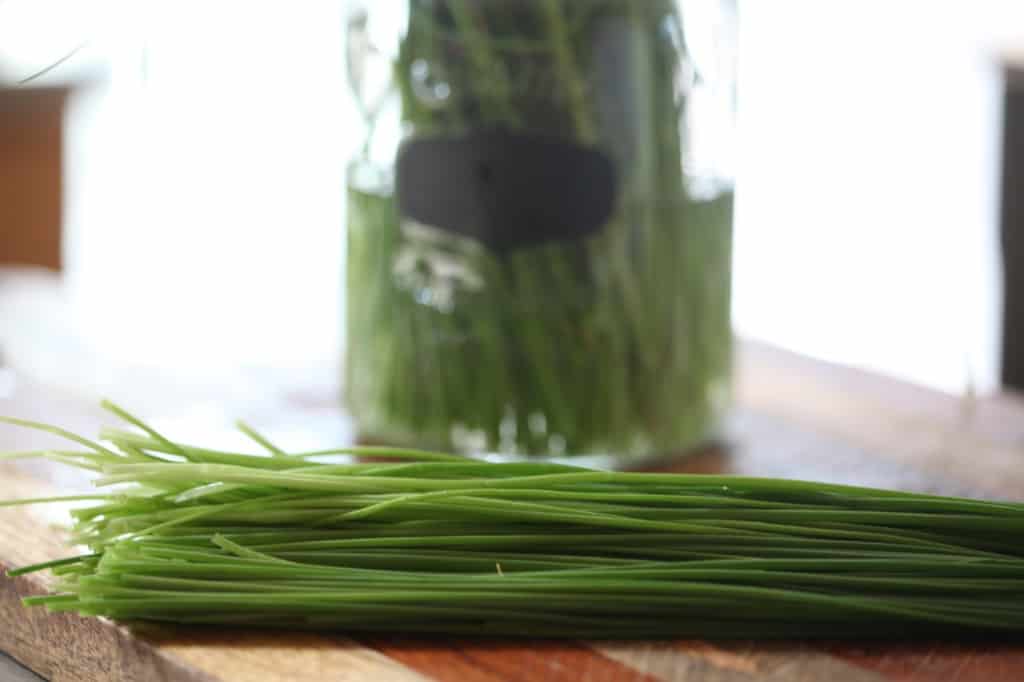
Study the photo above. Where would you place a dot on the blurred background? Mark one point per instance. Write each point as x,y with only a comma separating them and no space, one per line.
172,205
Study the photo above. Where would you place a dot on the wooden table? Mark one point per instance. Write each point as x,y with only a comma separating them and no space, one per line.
795,417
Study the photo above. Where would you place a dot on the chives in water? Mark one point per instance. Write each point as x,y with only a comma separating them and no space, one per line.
539,225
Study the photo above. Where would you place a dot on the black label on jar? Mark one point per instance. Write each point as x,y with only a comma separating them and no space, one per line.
507,190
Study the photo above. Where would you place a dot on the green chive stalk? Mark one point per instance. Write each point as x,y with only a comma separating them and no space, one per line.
615,343
426,542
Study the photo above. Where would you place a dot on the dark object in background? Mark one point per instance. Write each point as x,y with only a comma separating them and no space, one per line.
1013,229
506,189
31,186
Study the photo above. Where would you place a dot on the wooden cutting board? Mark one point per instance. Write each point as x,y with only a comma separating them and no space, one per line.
795,418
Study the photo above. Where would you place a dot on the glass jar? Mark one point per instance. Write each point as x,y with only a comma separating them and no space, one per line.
539,225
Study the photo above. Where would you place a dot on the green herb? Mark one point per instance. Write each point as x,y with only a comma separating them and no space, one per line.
432,543
618,343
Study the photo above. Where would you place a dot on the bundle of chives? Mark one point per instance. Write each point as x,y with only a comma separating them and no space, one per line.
431,543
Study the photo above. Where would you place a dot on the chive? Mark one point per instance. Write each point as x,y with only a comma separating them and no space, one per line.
260,439
49,564
445,545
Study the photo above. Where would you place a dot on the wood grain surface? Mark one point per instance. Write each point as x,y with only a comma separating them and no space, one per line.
795,417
